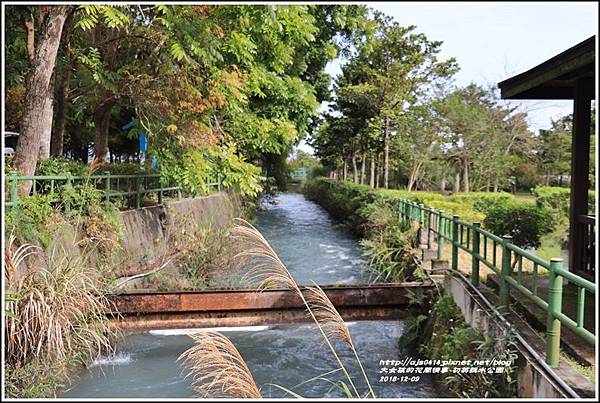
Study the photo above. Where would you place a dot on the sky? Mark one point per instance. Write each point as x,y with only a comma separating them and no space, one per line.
494,41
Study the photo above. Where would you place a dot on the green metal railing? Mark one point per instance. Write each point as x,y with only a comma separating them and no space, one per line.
299,173
133,187
503,258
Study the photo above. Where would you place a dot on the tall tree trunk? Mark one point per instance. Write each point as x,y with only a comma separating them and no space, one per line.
363,163
345,168
58,136
35,121
495,187
466,176
372,176
386,151
62,95
47,115
414,172
354,168
101,125
456,185
377,171
443,183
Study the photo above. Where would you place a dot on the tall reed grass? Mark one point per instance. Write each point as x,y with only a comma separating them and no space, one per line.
55,311
264,269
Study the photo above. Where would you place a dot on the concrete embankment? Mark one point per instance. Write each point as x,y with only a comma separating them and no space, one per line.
147,231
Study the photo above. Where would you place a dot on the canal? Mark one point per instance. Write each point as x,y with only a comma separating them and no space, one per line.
313,248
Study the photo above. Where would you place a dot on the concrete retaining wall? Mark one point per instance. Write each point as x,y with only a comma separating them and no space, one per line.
532,381
146,231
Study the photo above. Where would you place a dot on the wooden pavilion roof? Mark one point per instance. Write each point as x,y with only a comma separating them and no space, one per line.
556,77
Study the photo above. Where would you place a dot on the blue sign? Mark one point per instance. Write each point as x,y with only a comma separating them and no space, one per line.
143,142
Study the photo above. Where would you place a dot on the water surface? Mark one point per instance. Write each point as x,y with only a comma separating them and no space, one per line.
313,248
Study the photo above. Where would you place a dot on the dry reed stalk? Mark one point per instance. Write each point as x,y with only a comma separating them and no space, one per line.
56,310
266,268
332,322
13,257
322,308
218,368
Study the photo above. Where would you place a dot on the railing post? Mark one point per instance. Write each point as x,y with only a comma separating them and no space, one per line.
160,190
441,235
505,272
107,186
14,190
400,210
555,286
68,203
422,214
454,242
138,196
429,214
475,255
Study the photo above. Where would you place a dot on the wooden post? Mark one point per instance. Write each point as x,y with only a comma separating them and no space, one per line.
580,163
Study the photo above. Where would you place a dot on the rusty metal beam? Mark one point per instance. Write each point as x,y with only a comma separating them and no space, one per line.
168,310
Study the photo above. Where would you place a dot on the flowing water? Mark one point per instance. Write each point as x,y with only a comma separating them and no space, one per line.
314,249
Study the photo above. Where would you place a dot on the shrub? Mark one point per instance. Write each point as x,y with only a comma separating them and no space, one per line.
391,245
60,166
558,199
482,202
446,336
124,168
33,219
524,222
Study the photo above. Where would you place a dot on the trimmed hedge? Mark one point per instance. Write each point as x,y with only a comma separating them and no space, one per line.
558,199
526,223
343,199
498,212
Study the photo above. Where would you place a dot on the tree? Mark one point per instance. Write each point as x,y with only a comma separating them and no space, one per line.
392,69
36,124
554,149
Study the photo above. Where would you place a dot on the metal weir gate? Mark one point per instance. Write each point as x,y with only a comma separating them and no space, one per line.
509,262
146,310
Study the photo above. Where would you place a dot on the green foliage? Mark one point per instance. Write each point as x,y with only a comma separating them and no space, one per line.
412,331
34,220
471,207
390,245
524,222
446,336
60,166
558,199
